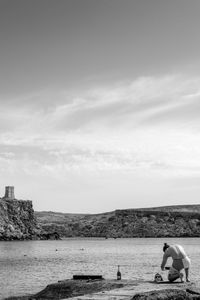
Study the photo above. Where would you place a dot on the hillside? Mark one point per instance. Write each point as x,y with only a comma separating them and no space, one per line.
176,208
167,221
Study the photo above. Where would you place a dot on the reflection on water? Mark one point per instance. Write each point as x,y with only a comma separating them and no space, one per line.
27,267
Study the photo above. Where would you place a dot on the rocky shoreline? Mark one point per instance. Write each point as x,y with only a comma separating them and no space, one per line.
113,289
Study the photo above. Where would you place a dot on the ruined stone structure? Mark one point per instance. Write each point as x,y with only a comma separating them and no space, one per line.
9,193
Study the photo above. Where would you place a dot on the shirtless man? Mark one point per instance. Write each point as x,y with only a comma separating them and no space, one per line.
180,261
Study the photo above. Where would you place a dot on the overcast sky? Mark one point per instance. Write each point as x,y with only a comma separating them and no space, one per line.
100,103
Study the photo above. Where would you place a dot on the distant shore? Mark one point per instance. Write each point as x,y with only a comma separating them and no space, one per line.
172,221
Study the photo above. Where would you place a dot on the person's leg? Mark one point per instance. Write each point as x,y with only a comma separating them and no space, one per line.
187,274
174,274
178,265
186,263
173,277
181,276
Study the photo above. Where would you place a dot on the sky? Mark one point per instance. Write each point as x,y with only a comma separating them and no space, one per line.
100,103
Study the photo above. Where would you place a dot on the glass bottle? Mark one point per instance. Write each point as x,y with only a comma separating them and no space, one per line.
118,274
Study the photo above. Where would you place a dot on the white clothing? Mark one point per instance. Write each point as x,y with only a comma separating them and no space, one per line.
186,262
179,257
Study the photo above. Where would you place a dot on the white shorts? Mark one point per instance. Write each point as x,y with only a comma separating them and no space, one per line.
186,262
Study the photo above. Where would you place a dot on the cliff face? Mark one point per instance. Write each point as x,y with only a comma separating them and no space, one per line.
125,223
18,222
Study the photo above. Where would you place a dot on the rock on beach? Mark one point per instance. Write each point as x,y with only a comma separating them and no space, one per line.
115,290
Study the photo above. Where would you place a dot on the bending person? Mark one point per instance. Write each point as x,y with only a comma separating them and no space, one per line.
180,261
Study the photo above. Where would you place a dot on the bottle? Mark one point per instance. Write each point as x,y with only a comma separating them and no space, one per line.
118,274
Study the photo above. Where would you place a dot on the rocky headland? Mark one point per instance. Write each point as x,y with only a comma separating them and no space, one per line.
18,221
169,221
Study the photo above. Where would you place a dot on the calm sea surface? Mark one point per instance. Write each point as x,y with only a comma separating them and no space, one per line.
27,267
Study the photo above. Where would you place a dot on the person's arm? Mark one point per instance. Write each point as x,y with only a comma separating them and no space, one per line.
164,262
165,257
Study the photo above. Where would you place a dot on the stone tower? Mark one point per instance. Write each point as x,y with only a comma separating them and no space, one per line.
9,192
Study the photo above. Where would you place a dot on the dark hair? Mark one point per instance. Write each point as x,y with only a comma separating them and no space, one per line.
165,247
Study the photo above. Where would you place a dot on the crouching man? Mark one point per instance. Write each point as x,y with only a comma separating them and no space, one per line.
180,261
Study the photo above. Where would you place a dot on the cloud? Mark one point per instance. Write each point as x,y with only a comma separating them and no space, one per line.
147,125
145,100
125,101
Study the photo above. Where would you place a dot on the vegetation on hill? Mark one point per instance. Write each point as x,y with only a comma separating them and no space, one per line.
168,221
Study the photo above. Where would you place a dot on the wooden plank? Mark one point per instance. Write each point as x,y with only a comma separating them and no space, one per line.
87,277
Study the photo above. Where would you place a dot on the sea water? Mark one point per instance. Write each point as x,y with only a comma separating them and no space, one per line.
27,267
